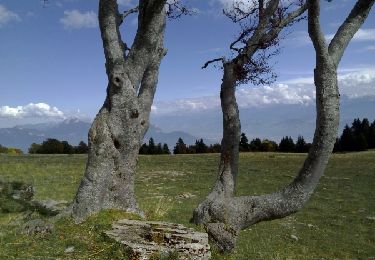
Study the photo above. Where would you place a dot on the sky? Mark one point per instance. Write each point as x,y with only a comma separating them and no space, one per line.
52,60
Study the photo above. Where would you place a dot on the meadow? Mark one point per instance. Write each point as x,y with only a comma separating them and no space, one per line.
337,223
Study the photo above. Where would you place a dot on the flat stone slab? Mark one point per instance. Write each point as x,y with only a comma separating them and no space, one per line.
145,239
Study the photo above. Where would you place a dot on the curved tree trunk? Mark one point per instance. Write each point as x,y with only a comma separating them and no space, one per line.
223,214
119,127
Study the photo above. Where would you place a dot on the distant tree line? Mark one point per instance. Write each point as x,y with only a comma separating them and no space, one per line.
152,148
359,137
198,147
10,150
54,146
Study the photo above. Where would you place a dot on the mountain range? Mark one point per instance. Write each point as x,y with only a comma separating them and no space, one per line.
272,122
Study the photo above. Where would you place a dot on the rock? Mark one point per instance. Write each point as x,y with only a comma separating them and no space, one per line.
370,218
49,206
294,237
310,225
147,239
69,250
185,195
37,226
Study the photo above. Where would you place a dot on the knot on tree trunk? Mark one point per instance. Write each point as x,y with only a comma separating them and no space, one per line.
117,79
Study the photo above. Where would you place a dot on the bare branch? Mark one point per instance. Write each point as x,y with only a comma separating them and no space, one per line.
128,12
176,10
212,61
349,27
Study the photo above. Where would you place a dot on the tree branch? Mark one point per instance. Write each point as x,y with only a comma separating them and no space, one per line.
315,32
348,28
128,12
212,61
112,43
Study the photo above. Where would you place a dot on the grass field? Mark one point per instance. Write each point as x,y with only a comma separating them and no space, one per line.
337,223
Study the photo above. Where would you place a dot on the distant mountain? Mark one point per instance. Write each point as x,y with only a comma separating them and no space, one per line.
169,138
273,121
71,130
74,131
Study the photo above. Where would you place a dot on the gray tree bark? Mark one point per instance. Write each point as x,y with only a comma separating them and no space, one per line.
223,214
119,127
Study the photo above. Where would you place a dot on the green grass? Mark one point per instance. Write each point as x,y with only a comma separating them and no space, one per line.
333,225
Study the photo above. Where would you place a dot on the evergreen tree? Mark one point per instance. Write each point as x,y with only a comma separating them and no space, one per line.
166,149
287,145
361,142
337,146
143,149
180,147
151,146
200,146
255,144
301,145
159,149
347,140
371,137
244,143
214,148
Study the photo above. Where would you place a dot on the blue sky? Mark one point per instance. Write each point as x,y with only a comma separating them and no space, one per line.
52,62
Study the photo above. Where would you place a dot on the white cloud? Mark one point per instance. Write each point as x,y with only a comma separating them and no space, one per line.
38,110
7,16
353,83
74,19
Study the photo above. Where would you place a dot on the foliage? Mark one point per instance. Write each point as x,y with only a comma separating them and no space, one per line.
54,146
287,145
359,137
180,147
10,150
151,148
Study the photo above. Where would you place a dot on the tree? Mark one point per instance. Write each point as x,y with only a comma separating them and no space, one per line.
118,129
67,148
347,140
224,214
371,138
51,146
268,146
166,149
81,148
301,145
255,144
151,146
200,146
287,145
180,147
244,143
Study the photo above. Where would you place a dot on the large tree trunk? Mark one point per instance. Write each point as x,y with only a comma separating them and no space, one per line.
223,214
119,127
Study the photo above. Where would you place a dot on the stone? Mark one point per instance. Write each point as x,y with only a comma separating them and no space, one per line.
37,226
370,218
147,239
69,250
49,206
294,237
